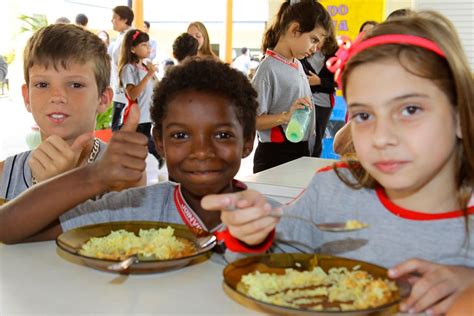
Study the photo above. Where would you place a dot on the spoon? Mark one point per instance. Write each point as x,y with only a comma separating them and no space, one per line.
203,243
334,227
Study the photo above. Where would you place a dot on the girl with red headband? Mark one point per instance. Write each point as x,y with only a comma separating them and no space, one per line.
413,181
137,78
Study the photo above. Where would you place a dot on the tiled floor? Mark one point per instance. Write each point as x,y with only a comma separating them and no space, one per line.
16,122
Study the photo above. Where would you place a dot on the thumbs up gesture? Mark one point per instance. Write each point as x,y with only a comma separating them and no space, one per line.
123,162
54,156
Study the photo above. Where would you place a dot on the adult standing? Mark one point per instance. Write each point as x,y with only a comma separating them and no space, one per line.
321,81
151,42
82,20
122,19
242,62
3,68
199,32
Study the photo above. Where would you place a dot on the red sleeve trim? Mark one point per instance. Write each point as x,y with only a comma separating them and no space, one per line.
414,215
331,167
236,245
277,135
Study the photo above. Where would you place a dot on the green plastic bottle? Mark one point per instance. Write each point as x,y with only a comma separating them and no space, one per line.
298,125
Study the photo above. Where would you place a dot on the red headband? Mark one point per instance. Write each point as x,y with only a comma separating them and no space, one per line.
347,49
134,36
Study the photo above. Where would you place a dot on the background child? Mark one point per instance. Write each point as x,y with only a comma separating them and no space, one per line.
416,197
322,84
122,18
204,126
137,78
199,32
184,46
67,75
281,82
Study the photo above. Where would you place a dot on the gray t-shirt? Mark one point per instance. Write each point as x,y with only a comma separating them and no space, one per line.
114,52
394,234
152,203
17,177
278,85
317,62
133,74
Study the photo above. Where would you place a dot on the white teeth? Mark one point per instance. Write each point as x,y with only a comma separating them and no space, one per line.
57,116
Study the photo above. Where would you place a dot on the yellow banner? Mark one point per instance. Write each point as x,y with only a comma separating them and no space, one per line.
349,15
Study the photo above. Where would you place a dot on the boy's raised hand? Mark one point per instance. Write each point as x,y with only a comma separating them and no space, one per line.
246,214
434,287
123,162
54,156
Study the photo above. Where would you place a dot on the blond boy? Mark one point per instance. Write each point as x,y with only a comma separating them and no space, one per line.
67,75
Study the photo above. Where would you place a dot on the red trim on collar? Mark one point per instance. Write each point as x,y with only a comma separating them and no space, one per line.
414,215
278,57
188,215
331,167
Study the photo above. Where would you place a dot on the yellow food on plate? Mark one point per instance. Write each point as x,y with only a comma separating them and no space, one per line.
355,224
339,289
159,244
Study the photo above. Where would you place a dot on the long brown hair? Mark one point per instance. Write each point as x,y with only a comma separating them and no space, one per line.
205,49
450,74
132,38
307,13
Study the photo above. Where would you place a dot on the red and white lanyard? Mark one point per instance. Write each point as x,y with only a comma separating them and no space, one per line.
273,54
189,217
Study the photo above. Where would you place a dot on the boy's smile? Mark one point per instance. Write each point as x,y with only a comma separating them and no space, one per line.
63,102
202,141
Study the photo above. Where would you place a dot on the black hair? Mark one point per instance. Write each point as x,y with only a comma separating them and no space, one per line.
62,20
81,19
207,75
307,13
184,46
244,50
124,12
400,13
147,24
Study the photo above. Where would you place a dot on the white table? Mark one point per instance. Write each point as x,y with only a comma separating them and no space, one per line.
38,279
284,182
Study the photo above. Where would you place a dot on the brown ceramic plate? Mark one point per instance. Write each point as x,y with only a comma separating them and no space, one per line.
72,241
277,263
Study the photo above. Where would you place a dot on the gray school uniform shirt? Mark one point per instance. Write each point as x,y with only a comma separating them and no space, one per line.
17,177
151,203
114,52
133,74
278,85
394,234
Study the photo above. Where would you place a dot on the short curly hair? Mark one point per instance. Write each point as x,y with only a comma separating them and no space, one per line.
185,46
210,76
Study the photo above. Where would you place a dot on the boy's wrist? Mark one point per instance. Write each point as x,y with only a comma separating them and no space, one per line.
93,179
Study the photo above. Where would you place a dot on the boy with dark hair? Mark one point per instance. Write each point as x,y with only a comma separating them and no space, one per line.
82,20
204,126
184,46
